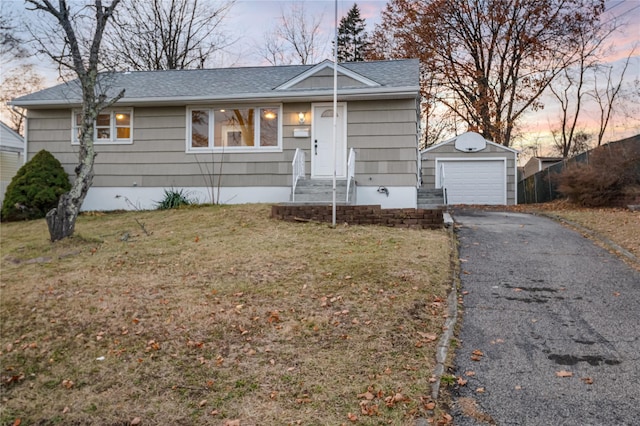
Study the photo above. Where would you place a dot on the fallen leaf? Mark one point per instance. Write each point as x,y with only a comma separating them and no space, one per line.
480,390
428,336
478,352
136,421
352,417
232,423
564,373
367,395
469,373
430,405
462,381
67,383
17,422
202,403
587,380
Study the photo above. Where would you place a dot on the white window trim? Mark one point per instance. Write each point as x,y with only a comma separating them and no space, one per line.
113,130
228,149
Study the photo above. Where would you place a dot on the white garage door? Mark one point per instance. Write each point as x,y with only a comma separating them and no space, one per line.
474,181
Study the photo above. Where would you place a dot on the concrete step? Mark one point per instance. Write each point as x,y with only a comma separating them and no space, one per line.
321,191
429,198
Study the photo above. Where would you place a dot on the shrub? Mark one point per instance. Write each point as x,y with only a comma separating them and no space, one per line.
173,199
35,189
608,179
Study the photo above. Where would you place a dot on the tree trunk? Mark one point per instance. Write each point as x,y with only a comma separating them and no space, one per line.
62,220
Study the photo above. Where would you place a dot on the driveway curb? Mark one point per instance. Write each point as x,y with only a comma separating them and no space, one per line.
444,343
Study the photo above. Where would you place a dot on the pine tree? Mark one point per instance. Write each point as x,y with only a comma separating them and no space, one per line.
353,40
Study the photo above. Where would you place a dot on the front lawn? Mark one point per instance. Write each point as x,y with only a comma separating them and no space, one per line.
208,315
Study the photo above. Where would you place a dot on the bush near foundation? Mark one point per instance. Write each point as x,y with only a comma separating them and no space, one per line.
35,189
610,178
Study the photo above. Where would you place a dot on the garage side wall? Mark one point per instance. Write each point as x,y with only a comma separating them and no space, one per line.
447,150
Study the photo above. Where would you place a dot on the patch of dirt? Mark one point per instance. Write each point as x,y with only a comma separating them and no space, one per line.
469,408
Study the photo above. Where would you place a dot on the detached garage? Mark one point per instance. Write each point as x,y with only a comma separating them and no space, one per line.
471,170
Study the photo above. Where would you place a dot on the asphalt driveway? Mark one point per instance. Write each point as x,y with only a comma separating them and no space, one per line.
550,331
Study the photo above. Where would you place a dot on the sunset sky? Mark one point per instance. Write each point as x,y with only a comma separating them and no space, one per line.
249,21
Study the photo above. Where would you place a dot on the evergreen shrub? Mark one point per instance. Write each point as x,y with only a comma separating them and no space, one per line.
35,189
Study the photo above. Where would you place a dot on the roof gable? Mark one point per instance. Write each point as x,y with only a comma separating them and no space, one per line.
321,77
454,139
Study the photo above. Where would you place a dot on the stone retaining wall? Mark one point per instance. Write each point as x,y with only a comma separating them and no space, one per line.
361,215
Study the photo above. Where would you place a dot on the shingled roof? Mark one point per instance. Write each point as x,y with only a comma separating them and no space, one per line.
391,78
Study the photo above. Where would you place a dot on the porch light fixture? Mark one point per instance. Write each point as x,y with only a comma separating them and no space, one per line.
269,115
301,117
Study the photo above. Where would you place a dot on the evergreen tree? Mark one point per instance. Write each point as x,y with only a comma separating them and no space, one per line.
353,40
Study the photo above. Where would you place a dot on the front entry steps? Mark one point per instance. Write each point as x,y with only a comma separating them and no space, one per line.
320,191
430,198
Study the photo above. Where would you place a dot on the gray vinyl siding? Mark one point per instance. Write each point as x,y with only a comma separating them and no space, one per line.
384,135
448,150
382,132
157,156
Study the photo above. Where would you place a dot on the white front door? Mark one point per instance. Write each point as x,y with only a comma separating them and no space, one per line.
322,141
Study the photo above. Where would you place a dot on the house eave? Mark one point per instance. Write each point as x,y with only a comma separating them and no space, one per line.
281,96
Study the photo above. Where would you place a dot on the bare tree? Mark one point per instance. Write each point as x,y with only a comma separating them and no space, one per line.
166,35
11,47
493,59
18,81
580,142
570,87
79,52
273,50
606,97
296,40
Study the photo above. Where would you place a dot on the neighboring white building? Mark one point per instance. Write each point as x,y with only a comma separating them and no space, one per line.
11,156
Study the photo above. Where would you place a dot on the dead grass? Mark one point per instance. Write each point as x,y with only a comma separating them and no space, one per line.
220,314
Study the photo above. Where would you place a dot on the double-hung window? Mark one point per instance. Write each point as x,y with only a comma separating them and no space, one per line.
110,127
256,129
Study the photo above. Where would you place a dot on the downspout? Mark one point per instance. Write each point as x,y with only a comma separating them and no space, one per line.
515,179
26,138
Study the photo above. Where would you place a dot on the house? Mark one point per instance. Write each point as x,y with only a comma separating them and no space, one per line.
11,156
469,169
537,164
241,135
